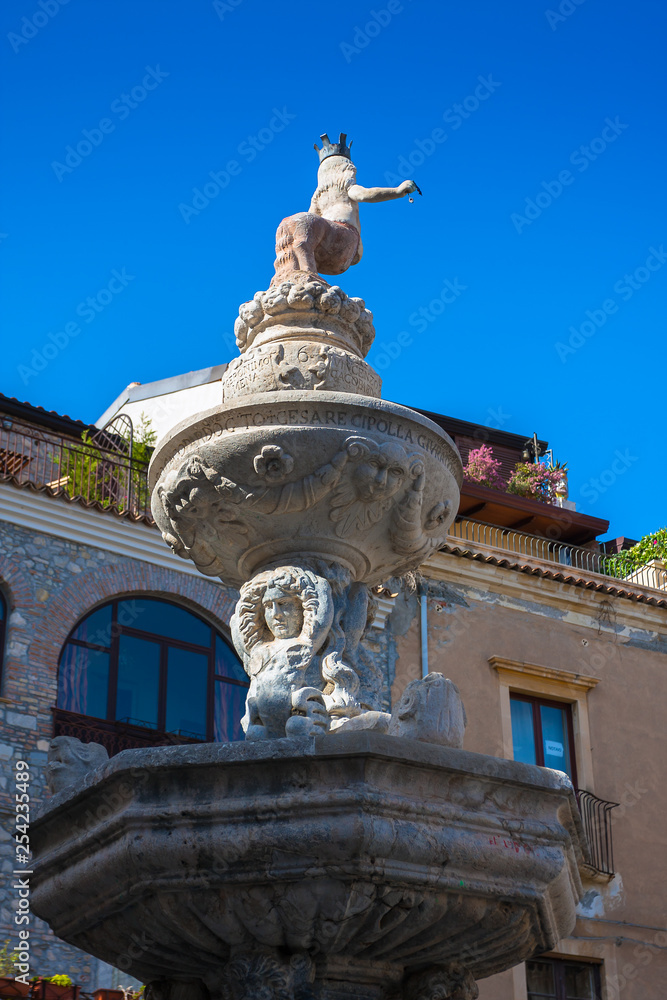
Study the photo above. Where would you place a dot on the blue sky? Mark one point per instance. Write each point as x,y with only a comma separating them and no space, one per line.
536,133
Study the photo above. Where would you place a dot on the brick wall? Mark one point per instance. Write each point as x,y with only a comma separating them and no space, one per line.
49,583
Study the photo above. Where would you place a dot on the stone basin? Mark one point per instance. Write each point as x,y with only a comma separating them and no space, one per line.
291,476
369,856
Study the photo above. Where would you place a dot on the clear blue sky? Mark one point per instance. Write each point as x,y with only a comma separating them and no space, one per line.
560,118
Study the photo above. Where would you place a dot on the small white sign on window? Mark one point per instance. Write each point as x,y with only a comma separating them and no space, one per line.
553,749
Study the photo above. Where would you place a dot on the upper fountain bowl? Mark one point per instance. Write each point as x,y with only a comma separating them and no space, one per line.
367,484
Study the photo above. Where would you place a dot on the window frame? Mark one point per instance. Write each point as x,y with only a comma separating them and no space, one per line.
559,965
518,677
117,630
536,701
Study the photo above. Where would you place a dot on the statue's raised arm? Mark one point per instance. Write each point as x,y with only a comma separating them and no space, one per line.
327,239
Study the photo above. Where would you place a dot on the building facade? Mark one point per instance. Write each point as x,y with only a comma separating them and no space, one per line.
106,635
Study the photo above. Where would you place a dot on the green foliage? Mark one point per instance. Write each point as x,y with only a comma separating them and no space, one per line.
144,441
58,980
7,960
111,480
651,546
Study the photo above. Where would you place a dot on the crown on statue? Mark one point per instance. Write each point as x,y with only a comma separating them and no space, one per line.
339,148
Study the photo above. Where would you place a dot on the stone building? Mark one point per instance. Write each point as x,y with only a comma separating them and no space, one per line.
106,635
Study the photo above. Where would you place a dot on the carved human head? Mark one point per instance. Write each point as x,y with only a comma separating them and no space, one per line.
283,612
283,603
69,760
381,473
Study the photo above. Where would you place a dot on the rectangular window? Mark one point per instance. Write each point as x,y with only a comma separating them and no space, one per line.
561,979
542,733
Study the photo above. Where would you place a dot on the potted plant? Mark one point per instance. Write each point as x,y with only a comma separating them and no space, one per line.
9,986
535,481
122,993
55,988
484,469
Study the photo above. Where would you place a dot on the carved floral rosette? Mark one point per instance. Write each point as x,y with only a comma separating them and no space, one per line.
368,485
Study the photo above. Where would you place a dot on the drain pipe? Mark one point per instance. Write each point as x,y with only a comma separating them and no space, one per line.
423,599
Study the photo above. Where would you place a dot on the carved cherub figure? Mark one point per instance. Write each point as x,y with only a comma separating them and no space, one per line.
281,621
326,239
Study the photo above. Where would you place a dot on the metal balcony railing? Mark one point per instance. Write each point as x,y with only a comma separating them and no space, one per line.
115,736
596,821
84,470
484,537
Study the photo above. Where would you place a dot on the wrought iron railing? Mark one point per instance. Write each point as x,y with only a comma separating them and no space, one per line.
596,821
490,536
86,470
115,736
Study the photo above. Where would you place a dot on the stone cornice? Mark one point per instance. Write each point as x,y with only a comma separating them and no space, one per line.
575,601
583,681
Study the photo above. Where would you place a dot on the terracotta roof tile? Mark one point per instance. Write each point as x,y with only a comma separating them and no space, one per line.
600,585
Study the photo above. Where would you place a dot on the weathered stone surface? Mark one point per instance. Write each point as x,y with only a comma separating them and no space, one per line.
69,760
313,364
366,484
362,850
431,710
308,309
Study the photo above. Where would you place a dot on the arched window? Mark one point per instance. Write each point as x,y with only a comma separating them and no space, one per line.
147,663
3,625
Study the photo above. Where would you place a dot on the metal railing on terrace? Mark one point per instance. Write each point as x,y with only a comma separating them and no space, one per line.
89,470
482,536
596,821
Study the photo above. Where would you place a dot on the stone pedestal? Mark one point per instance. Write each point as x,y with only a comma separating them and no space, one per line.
340,866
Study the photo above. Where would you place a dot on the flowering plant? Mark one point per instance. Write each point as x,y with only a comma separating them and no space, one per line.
484,469
535,481
651,546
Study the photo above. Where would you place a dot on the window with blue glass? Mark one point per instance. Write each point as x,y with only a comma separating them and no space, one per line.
150,663
542,733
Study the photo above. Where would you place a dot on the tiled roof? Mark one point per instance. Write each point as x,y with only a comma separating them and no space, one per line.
592,581
39,415
60,494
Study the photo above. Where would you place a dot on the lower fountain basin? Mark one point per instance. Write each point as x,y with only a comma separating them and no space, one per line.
373,855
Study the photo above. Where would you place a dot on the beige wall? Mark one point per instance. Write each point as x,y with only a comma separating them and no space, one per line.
623,646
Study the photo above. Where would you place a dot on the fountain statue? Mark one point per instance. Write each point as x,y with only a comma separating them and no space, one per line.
341,851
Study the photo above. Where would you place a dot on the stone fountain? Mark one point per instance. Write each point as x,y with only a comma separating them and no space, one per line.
341,851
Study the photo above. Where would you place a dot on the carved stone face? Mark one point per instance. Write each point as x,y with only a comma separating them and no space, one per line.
282,613
381,475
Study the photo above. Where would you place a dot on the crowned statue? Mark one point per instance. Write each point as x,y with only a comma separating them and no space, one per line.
327,239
